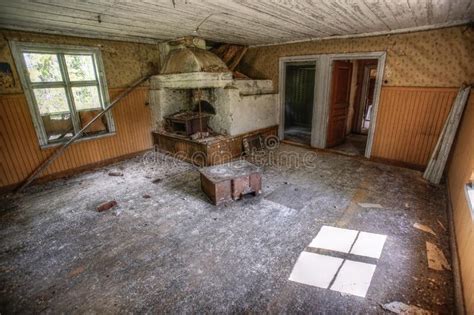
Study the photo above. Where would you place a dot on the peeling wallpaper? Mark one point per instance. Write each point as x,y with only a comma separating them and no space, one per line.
436,58
123,62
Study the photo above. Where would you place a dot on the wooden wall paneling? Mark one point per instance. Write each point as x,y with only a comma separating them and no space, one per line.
424,135
419,120
394,126
384,130
408,113
421,135
438,121
390,127
460,168
8,145
432,126
414,112
409,123
20,152
22,137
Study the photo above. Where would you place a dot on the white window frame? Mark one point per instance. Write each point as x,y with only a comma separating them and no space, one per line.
469,191
18,48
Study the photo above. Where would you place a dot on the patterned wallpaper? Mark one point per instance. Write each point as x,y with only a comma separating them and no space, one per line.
123,62
436,58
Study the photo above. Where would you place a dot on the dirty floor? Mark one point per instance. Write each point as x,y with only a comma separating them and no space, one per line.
298,134
354,144
165,248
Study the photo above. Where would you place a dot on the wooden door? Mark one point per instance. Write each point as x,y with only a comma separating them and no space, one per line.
339,102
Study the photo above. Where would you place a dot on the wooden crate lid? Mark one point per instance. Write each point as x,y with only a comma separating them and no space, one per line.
222,172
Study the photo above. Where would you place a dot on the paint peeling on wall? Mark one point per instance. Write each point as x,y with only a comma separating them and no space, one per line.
124,62
437,58
6,76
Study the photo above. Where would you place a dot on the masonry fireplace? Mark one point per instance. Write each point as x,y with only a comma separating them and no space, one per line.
193,76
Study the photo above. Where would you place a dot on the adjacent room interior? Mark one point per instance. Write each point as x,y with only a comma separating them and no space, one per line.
352,102
299,100
172,156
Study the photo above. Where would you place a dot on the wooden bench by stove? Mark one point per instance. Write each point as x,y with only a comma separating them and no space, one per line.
231,181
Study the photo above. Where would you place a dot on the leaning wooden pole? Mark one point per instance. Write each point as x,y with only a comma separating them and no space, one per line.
46,163
437,163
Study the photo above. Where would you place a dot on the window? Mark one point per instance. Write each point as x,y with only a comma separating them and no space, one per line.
65,88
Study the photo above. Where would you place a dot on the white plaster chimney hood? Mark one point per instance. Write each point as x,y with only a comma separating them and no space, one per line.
188,65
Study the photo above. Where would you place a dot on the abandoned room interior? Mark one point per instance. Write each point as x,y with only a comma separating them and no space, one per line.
184,156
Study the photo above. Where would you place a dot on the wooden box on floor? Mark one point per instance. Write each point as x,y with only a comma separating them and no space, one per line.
230,181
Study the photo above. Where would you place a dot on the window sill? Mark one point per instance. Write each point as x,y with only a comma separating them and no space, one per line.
57,144
470,199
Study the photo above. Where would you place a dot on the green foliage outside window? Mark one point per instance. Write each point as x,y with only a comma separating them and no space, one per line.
45,68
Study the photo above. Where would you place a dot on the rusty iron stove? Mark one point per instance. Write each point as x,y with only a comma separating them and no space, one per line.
188,123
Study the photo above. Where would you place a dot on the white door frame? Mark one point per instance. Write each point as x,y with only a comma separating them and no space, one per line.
380,57
322,92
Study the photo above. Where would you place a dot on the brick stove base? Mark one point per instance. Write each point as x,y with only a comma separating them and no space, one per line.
209,151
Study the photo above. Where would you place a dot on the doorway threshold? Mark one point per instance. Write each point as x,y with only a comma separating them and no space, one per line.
326,151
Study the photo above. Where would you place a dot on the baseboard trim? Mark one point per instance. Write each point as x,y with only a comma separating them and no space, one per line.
458,287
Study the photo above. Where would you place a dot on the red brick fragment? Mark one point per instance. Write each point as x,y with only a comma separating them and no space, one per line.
106,205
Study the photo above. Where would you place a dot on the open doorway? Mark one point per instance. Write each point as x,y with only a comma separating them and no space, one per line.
299,100
351,105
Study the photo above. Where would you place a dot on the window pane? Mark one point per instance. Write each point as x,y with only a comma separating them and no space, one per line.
43,67
51,100
55,114
80,67
58,126
86,97
98,127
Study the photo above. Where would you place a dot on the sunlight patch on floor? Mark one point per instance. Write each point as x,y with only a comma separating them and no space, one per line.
369,245
332,238
338,274
354,278
304,269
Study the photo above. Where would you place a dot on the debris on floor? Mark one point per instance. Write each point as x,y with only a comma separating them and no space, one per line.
106,205
402,308
142,254
436,258
370,205
442,226
424,228
146,196
115,173
199,135
156,180
76,271
7,205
